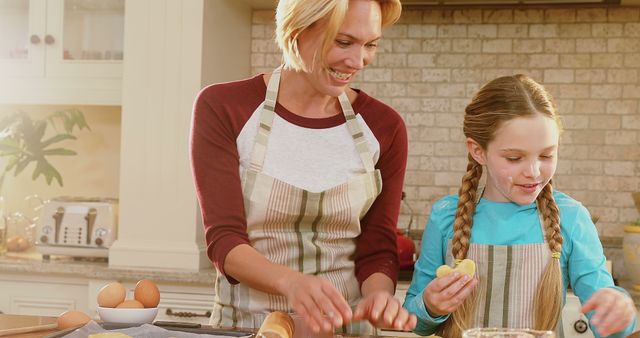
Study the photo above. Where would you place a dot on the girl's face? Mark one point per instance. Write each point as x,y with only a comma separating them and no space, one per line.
353,48
520,160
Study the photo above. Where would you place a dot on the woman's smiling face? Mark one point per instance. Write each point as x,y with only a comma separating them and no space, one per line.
520,160
353,48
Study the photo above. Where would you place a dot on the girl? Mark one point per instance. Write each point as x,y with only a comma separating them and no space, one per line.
529,242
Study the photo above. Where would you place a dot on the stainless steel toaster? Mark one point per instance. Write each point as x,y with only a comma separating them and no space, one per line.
77,226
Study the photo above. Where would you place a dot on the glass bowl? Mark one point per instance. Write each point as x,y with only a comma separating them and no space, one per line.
506,333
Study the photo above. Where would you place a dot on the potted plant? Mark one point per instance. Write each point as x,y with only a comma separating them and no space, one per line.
631,247
24,140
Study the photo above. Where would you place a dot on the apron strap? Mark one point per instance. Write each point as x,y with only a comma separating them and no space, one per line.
268,111
266,121
356,133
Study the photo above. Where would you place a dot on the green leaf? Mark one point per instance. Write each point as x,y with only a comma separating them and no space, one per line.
59,152
22,141
21,165
12,163
45,169
56,139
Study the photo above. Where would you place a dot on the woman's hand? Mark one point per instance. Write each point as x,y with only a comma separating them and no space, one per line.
614,311
445,294
316,300
381,309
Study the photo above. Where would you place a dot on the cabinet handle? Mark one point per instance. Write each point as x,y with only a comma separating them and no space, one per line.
49,40
170,312
34,39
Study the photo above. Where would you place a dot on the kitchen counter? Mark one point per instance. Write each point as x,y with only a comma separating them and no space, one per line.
32,263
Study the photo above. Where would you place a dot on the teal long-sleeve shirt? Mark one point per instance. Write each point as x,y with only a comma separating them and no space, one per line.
507,223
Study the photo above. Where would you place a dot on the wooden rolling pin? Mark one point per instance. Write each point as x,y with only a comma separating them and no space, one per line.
276,325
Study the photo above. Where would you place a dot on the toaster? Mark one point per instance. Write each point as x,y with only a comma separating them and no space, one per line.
77,226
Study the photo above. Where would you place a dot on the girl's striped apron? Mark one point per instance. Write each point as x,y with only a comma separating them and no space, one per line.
508,276
311,232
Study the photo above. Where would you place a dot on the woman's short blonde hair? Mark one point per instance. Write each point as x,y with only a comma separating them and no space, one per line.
294,16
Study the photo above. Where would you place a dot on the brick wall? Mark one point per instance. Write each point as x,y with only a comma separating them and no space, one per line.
432,61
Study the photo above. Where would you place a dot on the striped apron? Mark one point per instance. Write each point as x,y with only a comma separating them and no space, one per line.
508,277
310,232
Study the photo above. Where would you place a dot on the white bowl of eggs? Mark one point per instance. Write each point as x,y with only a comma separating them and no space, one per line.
113,306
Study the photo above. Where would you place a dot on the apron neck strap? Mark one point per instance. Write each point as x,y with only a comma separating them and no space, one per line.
266,122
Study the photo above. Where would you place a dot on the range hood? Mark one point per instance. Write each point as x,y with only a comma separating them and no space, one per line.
518,2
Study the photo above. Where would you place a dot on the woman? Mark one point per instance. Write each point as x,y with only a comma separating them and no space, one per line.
299,177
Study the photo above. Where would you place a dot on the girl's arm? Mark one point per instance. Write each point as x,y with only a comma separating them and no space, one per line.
593,284
432,255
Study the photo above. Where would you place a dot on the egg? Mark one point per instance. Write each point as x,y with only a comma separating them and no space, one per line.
70,319
111,295
12,243
131,304
147,293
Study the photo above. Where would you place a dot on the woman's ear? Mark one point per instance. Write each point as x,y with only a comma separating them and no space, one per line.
476,151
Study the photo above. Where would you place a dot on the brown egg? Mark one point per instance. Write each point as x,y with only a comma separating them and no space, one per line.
111,295
131,304
72,319
147,293
12,243
23,244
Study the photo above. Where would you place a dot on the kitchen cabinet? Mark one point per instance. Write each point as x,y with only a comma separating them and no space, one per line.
185,303
51,296
48,296
61,51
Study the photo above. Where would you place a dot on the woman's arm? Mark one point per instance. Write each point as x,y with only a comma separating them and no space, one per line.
380,307
376,248
215,166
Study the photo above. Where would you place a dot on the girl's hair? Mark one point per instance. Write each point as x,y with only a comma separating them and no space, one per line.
498,101
294,16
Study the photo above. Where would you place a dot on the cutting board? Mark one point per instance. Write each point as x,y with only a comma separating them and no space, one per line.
14,324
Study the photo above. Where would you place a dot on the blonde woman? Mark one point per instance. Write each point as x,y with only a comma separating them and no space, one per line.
529,241
299,177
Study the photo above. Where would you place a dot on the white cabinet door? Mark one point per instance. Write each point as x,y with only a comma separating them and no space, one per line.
85,38
61,51
26,295
22,28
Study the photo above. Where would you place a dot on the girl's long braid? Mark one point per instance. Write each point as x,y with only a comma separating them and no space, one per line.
466,207
461,318
548,300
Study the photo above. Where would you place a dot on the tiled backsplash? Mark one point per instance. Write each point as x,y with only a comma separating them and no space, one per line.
431,62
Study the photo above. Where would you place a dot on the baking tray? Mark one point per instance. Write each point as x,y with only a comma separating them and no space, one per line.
177,326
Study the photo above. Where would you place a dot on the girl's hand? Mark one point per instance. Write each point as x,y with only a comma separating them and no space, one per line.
614,311
445,294
316,300
381,309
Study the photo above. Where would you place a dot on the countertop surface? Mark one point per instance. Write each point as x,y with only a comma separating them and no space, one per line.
32,263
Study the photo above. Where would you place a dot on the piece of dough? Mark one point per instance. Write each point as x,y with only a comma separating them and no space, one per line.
466,267
277,325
